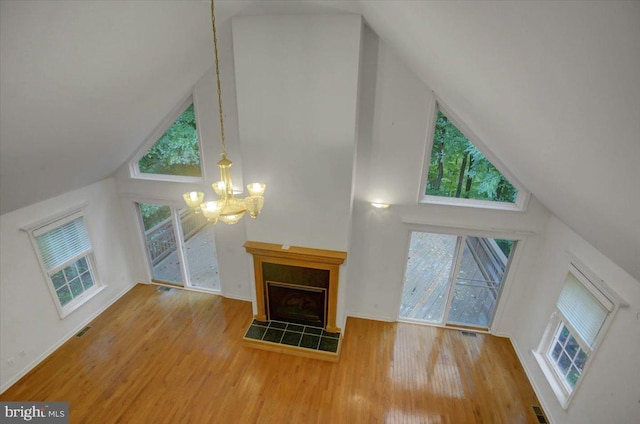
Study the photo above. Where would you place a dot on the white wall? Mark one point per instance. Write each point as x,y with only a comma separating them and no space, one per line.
29,320
297,82
394,128
395,107
297,85
610,391
233,265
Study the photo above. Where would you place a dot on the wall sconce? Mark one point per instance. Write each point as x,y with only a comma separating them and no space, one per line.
380,205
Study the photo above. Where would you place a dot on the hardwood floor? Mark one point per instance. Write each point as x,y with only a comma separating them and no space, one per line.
177,357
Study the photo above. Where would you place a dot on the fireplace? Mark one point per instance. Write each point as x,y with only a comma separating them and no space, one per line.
296,284
296,304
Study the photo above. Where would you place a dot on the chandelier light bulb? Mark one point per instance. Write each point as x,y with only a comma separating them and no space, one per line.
220,188
256,189
193,199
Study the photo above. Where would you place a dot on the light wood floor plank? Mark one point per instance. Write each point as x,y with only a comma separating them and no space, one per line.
177,357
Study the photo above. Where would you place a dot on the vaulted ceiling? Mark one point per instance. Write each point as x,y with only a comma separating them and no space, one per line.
553,88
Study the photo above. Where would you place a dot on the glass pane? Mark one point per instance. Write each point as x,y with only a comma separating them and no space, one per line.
76,287
557,350
200,251
478,282
572,347
87,281
153,215
426,280
505,246
471,304
563,334
458,169
64,294
161,242
58,279
71,272
572,377
82,265
564,363
177,151
581,360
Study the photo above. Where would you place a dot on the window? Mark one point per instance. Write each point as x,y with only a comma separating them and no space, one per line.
175,154
66,256
454,280
567,356
459,173
583,311
180,246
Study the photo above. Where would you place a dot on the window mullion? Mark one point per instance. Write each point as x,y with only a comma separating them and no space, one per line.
177,227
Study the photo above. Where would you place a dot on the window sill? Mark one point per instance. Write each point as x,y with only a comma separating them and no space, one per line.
519,206
79,301
562,396
165,178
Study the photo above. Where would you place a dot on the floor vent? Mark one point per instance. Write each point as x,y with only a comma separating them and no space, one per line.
539,414
84,330
468,333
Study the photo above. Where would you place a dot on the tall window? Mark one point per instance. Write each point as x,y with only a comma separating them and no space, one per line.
582,314
175,153
180,246
458,170
66,256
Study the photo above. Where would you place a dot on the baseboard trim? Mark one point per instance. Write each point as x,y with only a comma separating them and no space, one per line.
236,297
63,340
528,372
371,317
199,290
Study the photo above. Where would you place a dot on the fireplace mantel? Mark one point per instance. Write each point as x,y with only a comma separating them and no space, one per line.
329,260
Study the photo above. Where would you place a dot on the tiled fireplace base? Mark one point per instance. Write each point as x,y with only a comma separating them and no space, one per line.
300,340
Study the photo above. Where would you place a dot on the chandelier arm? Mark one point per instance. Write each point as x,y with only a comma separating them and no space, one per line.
215,48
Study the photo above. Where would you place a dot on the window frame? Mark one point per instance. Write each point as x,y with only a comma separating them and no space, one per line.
154,137
548,352
542,353
50,224
522,198
177,229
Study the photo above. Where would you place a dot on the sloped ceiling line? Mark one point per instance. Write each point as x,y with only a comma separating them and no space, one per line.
550,87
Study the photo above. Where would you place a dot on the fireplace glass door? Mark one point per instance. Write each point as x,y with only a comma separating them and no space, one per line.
296,304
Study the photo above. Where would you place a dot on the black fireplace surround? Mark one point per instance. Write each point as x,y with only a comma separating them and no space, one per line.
296,294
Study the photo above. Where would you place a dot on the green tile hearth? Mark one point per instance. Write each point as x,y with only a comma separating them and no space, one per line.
303,336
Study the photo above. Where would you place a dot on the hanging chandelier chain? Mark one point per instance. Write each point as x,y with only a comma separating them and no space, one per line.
228,208
215,48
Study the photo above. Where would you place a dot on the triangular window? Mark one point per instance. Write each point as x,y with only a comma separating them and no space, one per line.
457,169
176,152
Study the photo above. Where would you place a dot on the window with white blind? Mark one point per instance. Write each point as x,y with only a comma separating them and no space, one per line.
582,314
66,256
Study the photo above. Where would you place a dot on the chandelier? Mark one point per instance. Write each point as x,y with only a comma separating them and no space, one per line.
228,208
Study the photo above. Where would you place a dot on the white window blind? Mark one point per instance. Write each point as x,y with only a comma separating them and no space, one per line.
585,313
67,242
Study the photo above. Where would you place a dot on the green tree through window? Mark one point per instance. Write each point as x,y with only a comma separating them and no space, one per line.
459,169
176,152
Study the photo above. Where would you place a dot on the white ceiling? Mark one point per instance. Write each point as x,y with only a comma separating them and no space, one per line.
553,88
